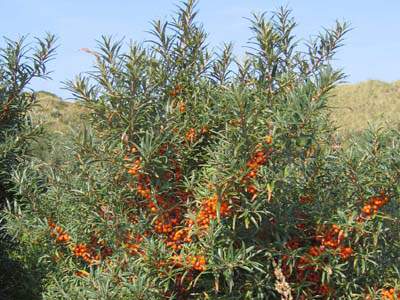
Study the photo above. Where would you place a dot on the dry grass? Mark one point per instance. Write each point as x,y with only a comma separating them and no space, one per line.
375,102
60,120
57,115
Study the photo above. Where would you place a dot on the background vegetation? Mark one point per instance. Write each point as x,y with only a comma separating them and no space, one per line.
61,121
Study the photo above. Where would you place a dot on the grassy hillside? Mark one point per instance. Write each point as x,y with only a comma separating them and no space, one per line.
375,102
60,119
59,116
353,107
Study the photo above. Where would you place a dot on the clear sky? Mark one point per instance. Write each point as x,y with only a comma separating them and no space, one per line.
371,51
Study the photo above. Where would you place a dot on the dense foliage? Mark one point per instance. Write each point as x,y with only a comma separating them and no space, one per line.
205,177
19,64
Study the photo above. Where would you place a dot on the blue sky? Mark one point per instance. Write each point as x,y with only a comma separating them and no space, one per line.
371,49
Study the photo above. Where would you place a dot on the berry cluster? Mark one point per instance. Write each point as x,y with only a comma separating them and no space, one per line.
168,210
58,233
208,211
133,243
182,106
87,254
373,205
390,294
259,159
91,253
306,268
190,135
197,262
176,90
165,208
135,167
194,262
334,239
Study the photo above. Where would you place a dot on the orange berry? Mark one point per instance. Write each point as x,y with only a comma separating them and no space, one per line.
190,135
346,252
314,251
182,107
251,189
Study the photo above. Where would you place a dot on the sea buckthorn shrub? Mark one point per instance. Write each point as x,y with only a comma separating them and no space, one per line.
207,177
20,63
